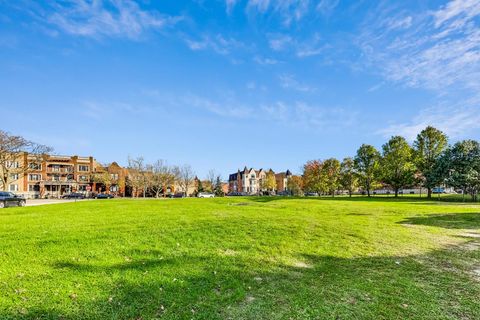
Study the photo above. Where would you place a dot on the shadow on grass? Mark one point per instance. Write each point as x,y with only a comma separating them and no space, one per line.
312,287
449,221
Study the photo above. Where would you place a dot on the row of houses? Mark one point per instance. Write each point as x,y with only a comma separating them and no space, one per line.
56,175
250,181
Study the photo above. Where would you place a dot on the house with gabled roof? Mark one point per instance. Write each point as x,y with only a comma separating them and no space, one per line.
250,181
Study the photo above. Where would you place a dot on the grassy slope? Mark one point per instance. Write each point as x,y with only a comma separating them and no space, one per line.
241,258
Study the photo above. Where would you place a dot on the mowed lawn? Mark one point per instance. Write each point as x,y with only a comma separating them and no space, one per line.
241,258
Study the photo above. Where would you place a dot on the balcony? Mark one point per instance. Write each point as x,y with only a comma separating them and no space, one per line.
64,181
60,170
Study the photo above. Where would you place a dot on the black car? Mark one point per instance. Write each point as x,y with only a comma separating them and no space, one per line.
73,195
179,195
8,199
104,196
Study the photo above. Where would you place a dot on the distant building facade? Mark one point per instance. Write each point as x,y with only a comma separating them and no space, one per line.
250,181
56,175
50,175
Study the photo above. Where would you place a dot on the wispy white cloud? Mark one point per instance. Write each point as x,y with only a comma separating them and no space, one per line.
106,18
462,10
217,43
376,87
456,123
326,7
280,42
302,48
432,50
265,61
258,5
100,111
289,10
230,109
288,81
436,50
309,117
298,114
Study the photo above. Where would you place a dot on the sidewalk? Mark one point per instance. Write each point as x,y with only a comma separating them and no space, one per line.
40,202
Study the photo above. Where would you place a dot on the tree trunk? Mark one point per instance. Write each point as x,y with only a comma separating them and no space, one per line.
350,193
396,192
429,193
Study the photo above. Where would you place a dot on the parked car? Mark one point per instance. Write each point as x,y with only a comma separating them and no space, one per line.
285,193
8,199
206,195
73,195
237,194
104,196
311,194
179,195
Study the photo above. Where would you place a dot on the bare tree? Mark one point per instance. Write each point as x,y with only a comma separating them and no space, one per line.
212,180
162,176
137,175
18,156
186,177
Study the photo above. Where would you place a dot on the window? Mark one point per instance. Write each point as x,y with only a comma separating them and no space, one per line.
114,188
83,168
13,187
13,164
35,166
34,188
55,177
34,177
70,177
114,176
14,176
82,178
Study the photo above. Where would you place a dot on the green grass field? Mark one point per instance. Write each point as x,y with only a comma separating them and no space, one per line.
241,258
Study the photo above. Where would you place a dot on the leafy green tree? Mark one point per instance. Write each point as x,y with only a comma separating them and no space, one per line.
366,164
330,174
459,166
348,176
398,168
428,147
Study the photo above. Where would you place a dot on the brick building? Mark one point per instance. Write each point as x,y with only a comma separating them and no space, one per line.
55,175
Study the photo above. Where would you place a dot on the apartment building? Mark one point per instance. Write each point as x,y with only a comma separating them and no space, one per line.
250,180
50,175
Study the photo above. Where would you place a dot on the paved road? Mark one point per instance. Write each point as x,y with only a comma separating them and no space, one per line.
40,202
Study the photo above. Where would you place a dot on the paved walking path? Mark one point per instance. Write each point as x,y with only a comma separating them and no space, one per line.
40,202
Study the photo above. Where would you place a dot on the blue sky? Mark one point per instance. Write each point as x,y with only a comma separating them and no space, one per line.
223,84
